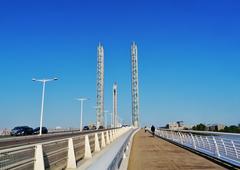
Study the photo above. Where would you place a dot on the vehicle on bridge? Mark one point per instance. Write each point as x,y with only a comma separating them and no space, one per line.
92,127
101,127
37,130
21,130
85,128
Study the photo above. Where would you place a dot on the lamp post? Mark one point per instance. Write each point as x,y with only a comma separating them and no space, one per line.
81,100
43,81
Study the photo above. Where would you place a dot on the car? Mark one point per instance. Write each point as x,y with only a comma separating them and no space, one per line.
37,130
93,127
85,128
100,127
21,130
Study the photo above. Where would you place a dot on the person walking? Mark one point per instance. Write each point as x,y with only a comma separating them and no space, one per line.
153,130
145,129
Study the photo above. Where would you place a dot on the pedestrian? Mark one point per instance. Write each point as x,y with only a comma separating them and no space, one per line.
145,129
153,130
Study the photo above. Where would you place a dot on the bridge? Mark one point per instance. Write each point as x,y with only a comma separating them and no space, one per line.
121,148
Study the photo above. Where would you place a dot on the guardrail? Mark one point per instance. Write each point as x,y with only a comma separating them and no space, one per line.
212,144
121,152
58,154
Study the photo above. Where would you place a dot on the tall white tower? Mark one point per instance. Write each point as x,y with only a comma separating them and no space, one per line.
115,112
135,92
100,86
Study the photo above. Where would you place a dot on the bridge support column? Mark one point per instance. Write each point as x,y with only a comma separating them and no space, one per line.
39,162
103,144
71,162
88,153
97,147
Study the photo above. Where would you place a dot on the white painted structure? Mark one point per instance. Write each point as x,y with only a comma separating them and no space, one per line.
43,81
64,151
100,86
223,146
135,91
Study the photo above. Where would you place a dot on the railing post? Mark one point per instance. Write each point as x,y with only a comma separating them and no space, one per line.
116,133
97,147
235,149
216,147
166,133
107,138
88,153
203,144
210,148
71,162
39,162
197,143
113,134
172,135
162,133
180,136
110,136
193,141
225,150
103,144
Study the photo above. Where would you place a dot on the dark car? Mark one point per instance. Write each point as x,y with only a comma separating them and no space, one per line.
21,130
85,128
37,130
100,127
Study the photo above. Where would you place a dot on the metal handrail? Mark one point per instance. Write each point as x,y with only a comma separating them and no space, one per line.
218,146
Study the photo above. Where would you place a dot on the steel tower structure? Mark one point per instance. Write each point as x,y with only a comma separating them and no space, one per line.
115,112
135,92
100,86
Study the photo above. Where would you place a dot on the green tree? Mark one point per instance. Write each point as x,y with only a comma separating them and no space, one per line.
200,127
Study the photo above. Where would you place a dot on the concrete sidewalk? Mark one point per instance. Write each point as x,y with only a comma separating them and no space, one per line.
152,153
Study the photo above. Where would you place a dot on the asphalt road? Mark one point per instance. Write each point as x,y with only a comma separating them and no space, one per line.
11,142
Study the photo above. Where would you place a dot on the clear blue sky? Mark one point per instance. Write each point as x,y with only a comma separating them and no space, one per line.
189,59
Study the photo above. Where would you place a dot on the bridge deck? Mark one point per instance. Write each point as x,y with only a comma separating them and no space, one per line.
152,153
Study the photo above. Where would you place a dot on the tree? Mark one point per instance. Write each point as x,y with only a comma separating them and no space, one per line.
200,127
231,129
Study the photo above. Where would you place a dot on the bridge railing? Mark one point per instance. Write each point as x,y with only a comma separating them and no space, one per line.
58,154
226,148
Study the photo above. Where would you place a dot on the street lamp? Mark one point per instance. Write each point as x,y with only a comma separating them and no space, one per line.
44,81
81,100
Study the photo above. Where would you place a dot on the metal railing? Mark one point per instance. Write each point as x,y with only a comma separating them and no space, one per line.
58,154
218,145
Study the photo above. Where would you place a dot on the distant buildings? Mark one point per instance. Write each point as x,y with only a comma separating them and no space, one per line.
179,125
215,127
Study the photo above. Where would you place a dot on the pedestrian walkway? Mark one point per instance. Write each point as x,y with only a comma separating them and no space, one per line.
151,153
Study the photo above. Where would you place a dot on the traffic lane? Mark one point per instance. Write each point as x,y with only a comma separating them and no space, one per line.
39,139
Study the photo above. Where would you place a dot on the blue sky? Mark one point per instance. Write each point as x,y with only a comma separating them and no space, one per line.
189,59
